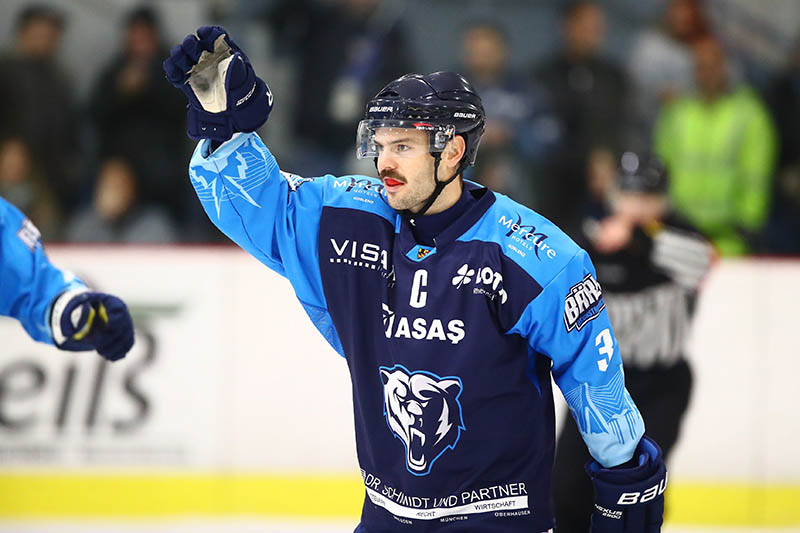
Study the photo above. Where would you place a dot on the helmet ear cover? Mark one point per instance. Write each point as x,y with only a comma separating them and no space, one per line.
439,140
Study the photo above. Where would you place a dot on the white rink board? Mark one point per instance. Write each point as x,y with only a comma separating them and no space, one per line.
743,421
238,379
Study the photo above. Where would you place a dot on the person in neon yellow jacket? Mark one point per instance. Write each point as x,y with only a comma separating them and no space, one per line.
720,148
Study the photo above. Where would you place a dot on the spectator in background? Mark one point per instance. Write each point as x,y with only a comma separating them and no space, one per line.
782,234
347,50
137,115
23,185
36,101
660,64
588,93
117,213
520,127
719,146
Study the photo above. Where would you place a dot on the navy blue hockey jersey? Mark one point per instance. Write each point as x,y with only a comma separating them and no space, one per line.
450,348
28,281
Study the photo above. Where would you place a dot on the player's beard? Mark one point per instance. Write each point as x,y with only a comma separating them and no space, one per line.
413,194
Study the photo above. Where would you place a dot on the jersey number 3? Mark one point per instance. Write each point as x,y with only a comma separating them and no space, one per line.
606,347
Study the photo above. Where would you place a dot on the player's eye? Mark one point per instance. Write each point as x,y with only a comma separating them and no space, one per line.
402,147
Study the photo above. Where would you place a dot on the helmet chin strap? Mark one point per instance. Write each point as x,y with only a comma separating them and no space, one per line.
437,190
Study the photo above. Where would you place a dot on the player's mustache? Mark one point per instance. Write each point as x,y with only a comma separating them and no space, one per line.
391,174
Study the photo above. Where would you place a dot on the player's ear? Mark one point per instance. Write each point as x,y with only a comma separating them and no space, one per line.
455,150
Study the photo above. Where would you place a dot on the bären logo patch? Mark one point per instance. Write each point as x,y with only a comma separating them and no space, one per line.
583,304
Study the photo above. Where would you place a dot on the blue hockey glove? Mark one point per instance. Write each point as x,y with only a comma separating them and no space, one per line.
83,320
630,500
225,95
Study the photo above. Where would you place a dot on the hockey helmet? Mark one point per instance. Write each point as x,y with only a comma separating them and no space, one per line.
444,104
643,173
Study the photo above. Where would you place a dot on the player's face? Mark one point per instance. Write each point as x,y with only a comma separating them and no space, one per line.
640,207
405,166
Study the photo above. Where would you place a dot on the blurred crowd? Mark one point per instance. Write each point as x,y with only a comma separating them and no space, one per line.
112,168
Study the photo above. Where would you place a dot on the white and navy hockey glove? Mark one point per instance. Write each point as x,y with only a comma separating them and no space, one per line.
225,95
83,320
630,500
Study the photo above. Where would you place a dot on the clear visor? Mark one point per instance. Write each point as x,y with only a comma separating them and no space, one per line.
404,138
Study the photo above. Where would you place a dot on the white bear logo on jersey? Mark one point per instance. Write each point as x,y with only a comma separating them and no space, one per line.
422,410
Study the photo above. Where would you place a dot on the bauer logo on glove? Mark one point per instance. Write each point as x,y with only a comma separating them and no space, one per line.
630,500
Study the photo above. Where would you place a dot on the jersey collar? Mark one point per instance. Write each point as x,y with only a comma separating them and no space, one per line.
484,199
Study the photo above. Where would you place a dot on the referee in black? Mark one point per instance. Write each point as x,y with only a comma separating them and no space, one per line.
650,264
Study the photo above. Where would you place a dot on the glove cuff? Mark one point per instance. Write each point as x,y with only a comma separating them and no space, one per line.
57,312
204,125
631,486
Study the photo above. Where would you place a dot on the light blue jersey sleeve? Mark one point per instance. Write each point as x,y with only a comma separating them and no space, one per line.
271,214
568,323
28,281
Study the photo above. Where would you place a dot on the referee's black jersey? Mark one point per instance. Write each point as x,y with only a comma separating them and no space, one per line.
651,286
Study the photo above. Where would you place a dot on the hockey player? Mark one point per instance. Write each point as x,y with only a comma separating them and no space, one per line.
53,305
650,263
451,304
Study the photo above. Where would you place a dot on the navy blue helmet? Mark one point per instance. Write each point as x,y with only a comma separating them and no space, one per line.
442,103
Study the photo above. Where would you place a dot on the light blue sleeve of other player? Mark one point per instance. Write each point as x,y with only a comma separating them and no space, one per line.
28,281
568,323
271,214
